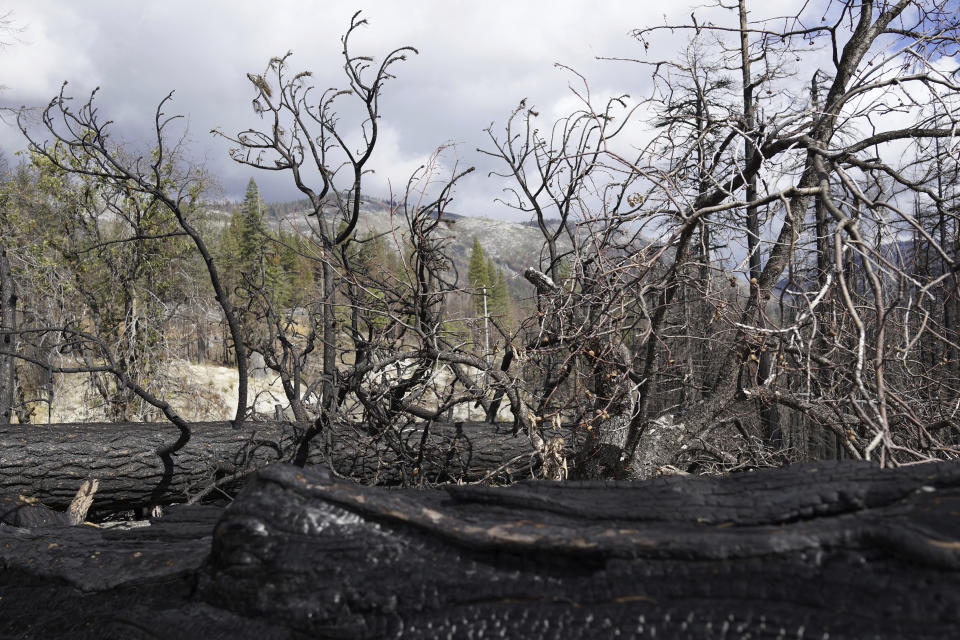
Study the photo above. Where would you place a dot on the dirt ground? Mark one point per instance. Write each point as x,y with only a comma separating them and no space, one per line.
197,392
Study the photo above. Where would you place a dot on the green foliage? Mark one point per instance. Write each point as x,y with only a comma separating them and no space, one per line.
296,267
250,222
101,258
257,264
564,271
478,276
487,281
500,303
377,279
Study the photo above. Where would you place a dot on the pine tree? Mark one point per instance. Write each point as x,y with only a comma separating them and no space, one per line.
501,305
256,261
251,227
297,269
478,277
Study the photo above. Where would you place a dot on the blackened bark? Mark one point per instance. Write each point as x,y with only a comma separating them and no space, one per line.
840,549
8,338
22,511
49,461
85,583
846,550
769,416
329,343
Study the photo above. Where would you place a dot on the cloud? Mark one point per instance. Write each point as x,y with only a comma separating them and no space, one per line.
40,51
475,63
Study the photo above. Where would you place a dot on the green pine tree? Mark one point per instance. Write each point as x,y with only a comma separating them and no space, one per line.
478,277
251,259
491,275
564,271
500,303
297,270
251,226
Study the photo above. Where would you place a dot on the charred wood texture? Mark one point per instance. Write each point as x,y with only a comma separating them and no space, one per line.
48,462
83,582
845,550
8,337
838,550
23,511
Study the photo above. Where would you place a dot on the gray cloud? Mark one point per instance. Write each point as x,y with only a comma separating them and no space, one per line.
476,62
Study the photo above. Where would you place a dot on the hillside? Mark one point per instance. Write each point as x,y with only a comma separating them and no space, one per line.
512,246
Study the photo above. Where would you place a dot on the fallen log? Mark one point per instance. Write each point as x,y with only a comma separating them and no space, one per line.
838,550
48,462
88,583
815,551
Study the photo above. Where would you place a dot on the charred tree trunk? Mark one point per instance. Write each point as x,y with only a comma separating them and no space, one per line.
8,338
49,461
682,557
769,416
839,550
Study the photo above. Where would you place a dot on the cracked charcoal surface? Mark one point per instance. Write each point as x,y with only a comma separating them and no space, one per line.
832,550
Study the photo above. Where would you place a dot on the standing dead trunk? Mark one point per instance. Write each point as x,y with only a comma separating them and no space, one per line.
769,417
8,338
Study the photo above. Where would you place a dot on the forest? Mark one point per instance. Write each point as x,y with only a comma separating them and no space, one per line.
770,277
709,385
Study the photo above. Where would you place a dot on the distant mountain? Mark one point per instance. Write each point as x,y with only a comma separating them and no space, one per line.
512,246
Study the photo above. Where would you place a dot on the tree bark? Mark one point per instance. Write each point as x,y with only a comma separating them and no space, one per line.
682,557
845,550
769,417
49,461
8,338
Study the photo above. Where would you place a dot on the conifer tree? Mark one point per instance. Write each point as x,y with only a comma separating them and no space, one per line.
251,226
259,261
479,279
500,304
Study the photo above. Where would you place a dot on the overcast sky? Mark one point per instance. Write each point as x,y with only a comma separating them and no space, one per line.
477,60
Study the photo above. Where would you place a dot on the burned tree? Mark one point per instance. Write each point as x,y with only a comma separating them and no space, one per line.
148,198
768,244
382,333
828,291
